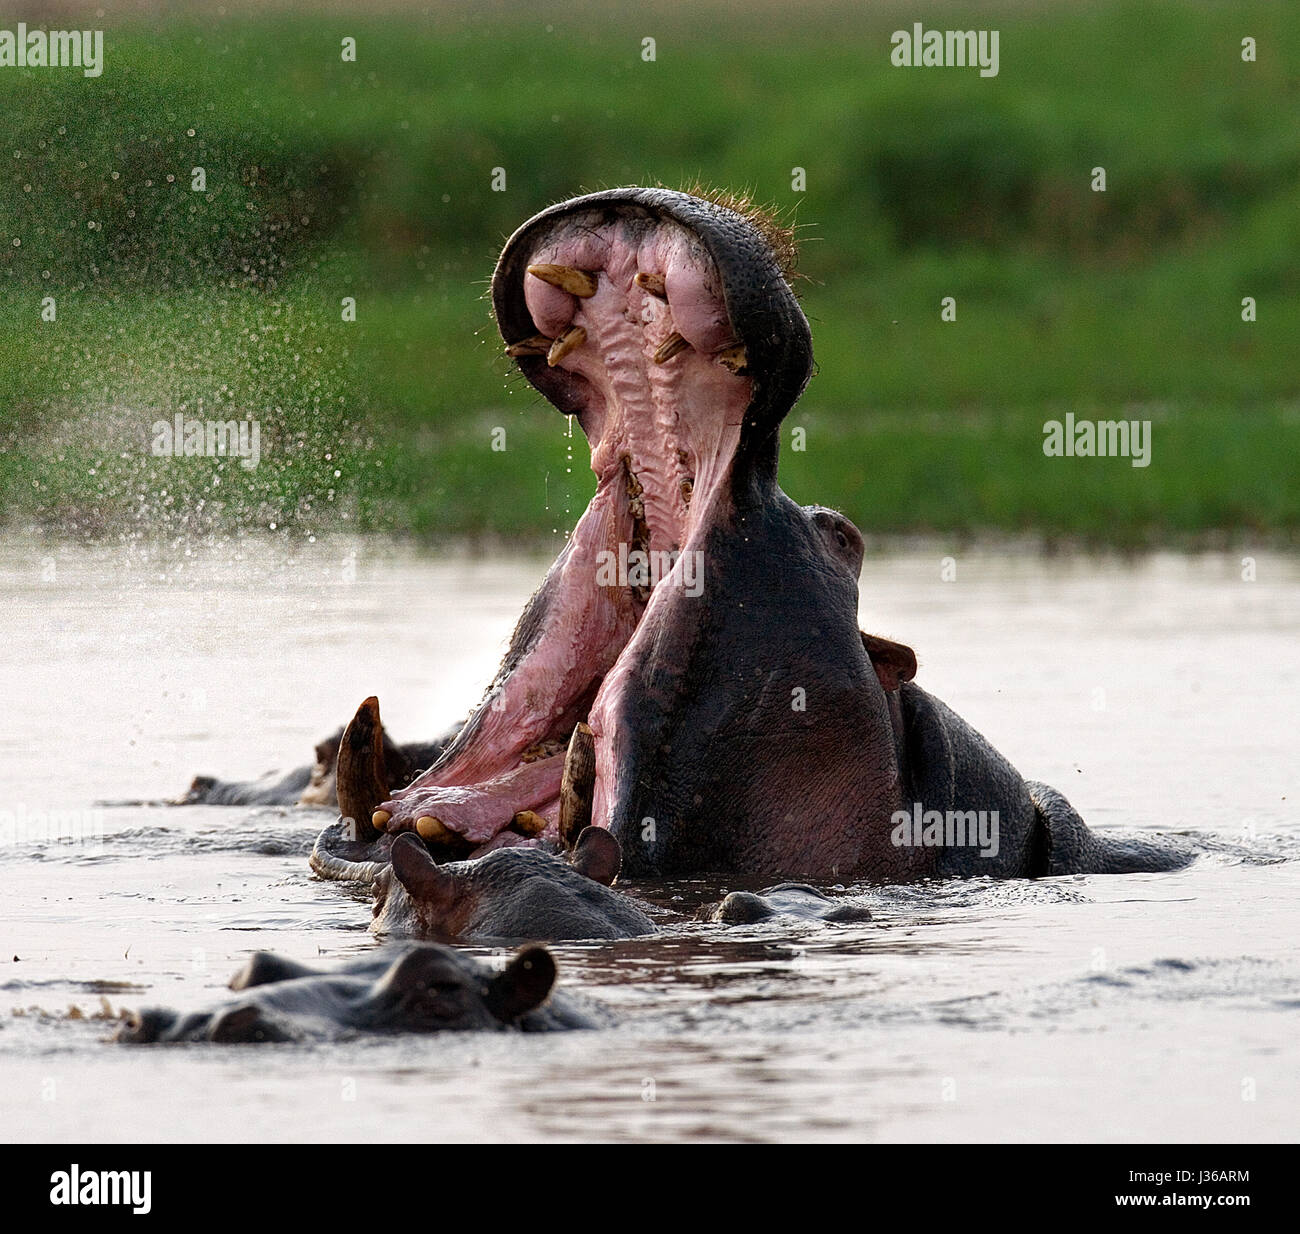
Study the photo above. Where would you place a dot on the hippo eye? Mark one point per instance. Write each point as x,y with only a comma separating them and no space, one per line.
443,1000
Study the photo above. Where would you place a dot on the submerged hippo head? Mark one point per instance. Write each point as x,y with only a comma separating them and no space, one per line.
789,900
509,893
419,989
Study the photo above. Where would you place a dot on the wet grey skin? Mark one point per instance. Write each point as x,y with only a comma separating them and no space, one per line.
751,728
424,988
511,893
518,893
795,901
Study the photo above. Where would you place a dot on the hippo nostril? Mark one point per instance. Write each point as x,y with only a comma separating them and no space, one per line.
144,1027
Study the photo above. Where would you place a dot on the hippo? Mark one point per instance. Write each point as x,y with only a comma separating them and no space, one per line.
691,675
315,784
420,988
510,893
521,892
794,900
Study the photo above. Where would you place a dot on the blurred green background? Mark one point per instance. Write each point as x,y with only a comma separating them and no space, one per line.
372,179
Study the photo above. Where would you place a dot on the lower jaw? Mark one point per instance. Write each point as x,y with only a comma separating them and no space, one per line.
493,800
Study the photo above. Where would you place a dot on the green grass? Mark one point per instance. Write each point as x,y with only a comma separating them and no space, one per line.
372,180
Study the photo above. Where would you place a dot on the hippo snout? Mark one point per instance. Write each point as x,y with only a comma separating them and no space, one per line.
144,1027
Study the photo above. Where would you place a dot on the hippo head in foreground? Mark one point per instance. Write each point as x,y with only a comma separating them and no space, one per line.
509,893
427,988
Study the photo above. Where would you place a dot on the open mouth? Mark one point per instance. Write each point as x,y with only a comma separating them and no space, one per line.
624,312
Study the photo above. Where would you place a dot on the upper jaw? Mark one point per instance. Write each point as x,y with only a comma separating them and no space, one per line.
771,343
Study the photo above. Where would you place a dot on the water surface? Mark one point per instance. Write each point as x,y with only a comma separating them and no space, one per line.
1159,694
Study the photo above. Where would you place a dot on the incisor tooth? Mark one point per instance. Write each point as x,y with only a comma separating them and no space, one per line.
734,358
572,338
577,785
670,347
380,818
538,345
529,822
567,278
653,283
431,828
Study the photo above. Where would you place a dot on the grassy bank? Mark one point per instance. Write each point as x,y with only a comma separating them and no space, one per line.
373,180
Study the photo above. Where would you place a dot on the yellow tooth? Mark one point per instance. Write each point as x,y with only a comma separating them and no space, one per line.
577,785
380,819
576,282
529,822
572,338
670,347
431,828
653,283
733,358
538,345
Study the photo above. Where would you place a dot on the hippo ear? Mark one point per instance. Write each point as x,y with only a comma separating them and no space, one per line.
264,967
417,871
327,751
894,663
522,985
598,855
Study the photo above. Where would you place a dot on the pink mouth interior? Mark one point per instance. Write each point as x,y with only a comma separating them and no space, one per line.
662,438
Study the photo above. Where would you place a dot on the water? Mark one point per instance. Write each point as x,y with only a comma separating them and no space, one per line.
1160,694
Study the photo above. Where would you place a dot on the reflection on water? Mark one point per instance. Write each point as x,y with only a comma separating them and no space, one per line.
1160,694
